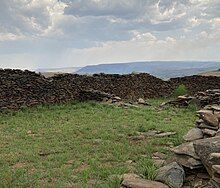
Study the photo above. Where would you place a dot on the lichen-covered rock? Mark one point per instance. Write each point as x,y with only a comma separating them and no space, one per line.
172,175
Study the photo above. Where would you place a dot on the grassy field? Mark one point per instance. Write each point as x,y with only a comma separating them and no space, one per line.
82,144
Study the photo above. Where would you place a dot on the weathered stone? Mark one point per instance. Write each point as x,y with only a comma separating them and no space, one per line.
165,134
116,98
193,134
134,181
188,161
137,138
209,118
186,149
130,105
204,148
214,158
212,184
142,101
203,176
200,112
212,107
204,126
152,133
209,132
172,175
216,169
159,155
199,121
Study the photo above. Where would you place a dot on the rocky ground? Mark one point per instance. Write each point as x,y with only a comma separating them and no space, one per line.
195,163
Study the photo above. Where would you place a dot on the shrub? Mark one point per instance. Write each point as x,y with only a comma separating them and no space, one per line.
180,90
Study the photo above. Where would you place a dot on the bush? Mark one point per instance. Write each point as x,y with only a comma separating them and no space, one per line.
180,90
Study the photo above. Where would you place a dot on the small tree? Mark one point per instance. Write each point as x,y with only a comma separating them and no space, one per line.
180,90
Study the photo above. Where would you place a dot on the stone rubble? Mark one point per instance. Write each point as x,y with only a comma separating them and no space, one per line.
210,99
202,149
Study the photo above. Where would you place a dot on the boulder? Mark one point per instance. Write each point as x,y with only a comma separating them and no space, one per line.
188,162
209,132
186,149
204,149
172,175
193,134
134,181
142,101
209,118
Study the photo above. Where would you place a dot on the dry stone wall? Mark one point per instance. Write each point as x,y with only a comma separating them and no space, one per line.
196,84
24,88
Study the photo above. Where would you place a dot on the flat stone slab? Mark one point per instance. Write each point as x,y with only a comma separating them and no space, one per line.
165,134
209,132
193,134
212,107
186,149
134,181
188,161
204,126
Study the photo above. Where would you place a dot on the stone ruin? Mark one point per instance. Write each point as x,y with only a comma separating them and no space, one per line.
200,154
201,99
196,162
20,89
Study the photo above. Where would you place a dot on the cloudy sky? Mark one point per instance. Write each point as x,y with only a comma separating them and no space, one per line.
66,33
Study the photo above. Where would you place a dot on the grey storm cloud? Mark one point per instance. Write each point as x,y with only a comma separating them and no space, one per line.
53,32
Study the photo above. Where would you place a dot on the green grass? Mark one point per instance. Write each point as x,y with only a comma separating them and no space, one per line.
72,145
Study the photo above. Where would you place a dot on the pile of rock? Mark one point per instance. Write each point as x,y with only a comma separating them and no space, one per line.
128,87
208,97
202,150
195,84
24,88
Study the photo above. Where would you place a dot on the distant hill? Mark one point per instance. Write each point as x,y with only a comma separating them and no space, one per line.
211,73
161,69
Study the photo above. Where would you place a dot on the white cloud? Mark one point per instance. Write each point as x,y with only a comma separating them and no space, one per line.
59,33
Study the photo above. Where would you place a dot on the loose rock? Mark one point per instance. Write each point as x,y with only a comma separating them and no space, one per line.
134,181
193,134
209,118
172,175
186,149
